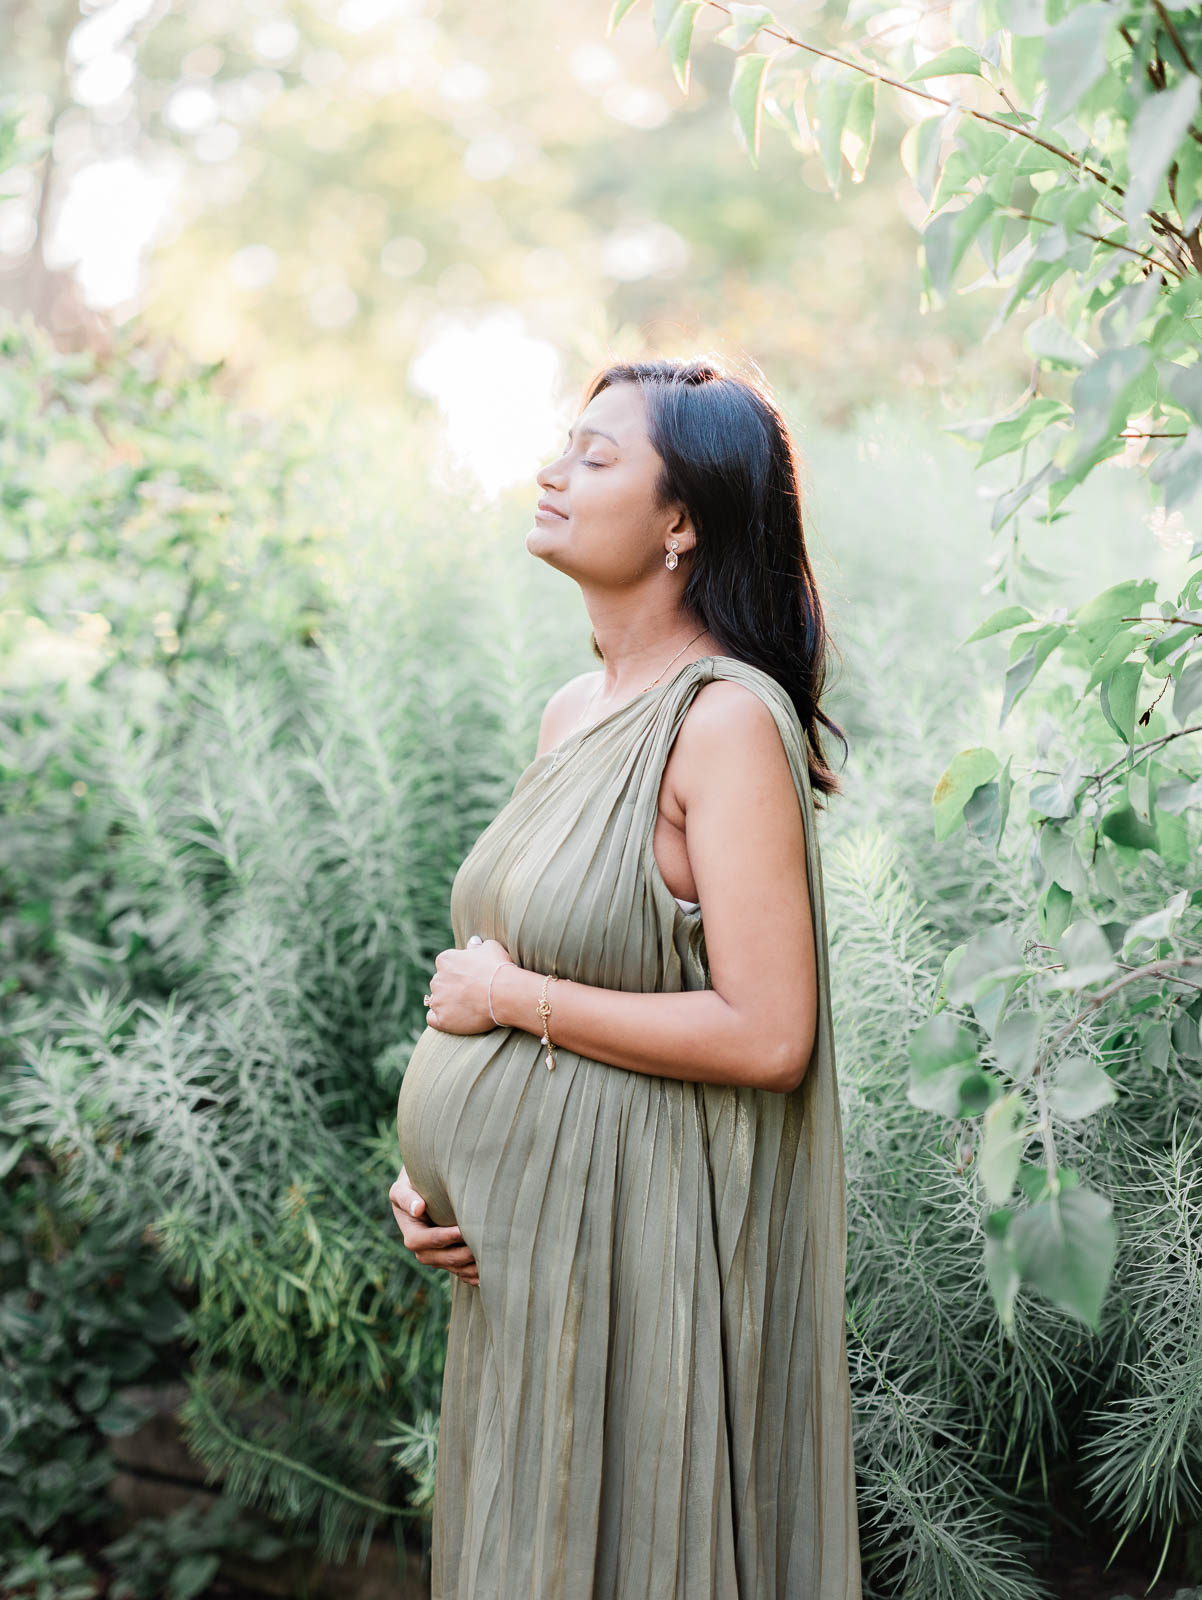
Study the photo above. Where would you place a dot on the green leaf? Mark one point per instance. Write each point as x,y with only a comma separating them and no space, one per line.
1015,432
967,771
11,1151
1187,696
1126,827
947,236
1007,504
1001,1271
747,97
191,1575
1049,341
1185,386
121,1416
1054,908
745,22
1160,125
834,98
663,13
1074,57
1101,397
948,63
1157,925
1118,646
1060,858
920,149
950,962
1080,1087
679,40
616,12
93,1389
990,958
986,809
1003,1139
1016,1042
1121,600
858,127
1064,1247
1033,1181
1119,695
1179,795
1085,951
944,1072
1020,674
999,623
1178,470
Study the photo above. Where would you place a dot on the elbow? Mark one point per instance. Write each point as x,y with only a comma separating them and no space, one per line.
793,1062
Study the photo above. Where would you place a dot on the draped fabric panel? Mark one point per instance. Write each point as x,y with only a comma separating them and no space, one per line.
647,1396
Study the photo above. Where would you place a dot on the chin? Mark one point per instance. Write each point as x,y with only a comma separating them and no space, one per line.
541,543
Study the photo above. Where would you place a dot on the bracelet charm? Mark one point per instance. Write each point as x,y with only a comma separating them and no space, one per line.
544,1011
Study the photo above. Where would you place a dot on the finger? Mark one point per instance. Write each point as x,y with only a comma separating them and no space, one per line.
404,1194
448,1258
403,1210
437,1238
420,1237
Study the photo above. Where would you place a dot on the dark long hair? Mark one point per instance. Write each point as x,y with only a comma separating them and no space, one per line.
727,455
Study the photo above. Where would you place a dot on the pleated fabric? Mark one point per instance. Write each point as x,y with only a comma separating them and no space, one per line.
647,1395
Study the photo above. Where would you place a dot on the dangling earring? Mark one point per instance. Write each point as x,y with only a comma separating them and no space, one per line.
671,558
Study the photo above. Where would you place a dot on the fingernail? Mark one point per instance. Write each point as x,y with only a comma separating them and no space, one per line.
413,1208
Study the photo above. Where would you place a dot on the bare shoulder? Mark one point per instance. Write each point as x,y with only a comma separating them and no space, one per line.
728,717
728,729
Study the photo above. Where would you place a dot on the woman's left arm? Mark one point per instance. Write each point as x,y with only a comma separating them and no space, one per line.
745,839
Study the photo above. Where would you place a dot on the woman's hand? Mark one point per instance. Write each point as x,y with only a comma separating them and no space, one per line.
433,1247
457,999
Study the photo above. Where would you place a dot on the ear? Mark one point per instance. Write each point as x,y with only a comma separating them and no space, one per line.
681,527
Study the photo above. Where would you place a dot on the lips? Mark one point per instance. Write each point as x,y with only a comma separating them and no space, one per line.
552,511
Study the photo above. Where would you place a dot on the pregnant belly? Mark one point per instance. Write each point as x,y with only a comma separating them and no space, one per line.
452,1081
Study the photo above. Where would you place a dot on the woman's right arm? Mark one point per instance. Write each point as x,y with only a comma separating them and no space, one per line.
433,1247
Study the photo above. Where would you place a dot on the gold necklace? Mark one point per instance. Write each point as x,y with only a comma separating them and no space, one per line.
583,724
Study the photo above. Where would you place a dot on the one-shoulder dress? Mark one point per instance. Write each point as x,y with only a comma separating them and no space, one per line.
647,1396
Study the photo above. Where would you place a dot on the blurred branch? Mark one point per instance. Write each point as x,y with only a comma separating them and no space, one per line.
969,111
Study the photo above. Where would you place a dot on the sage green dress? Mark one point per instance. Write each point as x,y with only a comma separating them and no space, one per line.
647,1396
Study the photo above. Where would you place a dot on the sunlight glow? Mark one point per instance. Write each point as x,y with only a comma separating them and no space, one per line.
107,221
496,386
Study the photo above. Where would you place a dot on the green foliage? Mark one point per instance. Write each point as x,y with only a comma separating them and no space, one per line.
969,1428
238,868
177,1557
1069,162
38,1574
179,521
84,1310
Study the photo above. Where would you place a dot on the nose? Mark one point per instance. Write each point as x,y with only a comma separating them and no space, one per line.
547,477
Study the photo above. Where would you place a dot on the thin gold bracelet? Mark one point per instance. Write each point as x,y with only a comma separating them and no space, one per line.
544,1011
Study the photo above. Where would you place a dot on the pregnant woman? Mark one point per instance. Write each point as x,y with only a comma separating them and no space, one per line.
621,1129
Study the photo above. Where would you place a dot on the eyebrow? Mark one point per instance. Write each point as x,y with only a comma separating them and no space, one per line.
601,431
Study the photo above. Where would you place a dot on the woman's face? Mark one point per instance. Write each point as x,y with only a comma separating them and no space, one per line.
608,529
